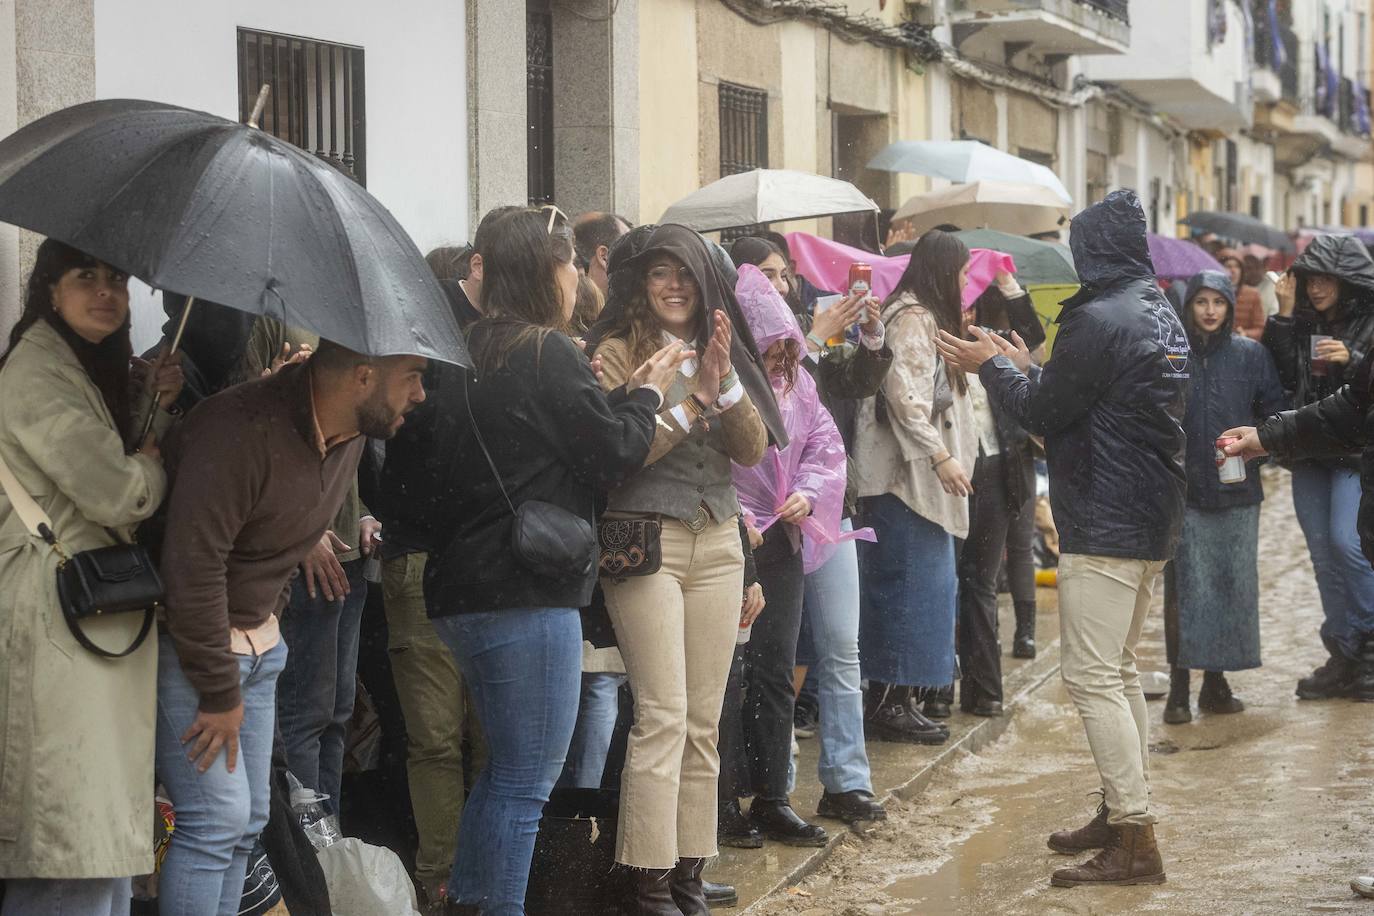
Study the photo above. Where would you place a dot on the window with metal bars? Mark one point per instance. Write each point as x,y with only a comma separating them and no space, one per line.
317,98
539,104
743,129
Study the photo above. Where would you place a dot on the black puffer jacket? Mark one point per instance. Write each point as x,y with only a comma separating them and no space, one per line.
1288,338
1340,424
1110,401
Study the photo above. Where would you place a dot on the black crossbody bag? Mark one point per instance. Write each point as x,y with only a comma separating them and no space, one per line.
547,540
119,579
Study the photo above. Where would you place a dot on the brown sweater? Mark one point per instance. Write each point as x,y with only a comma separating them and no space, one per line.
1250,317
250,496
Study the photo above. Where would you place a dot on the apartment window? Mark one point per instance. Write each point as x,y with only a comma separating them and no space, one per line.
539,101
317,101
743,129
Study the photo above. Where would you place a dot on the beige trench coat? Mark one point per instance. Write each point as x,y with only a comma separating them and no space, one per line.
76,730
895,457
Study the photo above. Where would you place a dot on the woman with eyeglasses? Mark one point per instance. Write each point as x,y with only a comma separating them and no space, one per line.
532,425
677,626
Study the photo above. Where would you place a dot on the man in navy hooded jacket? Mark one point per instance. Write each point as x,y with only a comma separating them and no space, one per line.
1110,404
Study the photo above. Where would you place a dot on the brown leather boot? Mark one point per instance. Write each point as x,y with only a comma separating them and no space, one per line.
1093,835
1131,858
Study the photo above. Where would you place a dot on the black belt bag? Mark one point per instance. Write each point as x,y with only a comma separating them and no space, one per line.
119,579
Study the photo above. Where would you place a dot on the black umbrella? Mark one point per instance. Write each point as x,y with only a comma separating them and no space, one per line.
191,202
1240,227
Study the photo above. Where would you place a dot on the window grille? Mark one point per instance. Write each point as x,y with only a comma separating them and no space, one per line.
743,129
317,100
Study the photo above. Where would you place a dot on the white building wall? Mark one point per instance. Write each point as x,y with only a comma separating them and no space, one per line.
186,53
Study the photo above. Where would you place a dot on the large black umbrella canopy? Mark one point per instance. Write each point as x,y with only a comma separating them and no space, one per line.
200,205
1239,226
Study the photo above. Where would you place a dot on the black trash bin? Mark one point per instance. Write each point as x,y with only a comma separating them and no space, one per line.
573,872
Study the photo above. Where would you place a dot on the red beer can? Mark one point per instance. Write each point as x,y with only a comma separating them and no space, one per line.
860,278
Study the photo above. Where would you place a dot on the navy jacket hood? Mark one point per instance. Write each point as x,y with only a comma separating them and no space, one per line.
1109,244
1220,282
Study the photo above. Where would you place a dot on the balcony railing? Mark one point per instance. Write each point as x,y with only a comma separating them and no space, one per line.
1117,9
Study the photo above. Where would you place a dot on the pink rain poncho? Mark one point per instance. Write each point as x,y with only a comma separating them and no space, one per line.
814,463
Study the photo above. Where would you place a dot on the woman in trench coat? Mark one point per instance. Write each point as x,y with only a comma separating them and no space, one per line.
76,729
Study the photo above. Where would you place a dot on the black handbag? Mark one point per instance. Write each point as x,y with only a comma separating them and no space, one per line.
119,579
547,540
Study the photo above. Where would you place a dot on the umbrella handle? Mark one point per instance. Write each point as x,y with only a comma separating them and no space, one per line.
147,425
176,343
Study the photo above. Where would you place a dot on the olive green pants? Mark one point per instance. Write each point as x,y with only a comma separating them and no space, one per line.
435,705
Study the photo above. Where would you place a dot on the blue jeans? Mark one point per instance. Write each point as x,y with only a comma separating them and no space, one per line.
219,814
1327,502
316,690
66,897
523,668
831,608
596,716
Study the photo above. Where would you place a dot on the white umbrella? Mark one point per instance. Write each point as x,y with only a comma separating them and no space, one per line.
765,196
965,161
1021,209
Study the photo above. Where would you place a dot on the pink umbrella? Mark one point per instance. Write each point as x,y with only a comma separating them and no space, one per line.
826,264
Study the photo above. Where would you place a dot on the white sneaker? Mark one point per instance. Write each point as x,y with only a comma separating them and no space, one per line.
1363,885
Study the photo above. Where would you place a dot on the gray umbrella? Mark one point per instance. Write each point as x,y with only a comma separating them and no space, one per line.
190,202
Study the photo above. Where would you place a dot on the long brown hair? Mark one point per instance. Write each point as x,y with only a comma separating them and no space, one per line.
106,363
932,276
640,328
521,253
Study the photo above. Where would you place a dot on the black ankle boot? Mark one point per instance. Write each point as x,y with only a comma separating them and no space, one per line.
1178,708
734,829
1362,684
1023,643
1335,678
777,821
652,893
936,703
1215,696
891,715
685,886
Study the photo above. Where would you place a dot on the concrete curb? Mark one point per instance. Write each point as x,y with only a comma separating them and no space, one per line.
1021,684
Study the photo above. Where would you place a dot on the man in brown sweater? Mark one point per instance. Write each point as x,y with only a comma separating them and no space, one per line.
257,474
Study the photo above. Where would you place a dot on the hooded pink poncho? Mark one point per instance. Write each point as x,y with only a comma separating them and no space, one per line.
813,464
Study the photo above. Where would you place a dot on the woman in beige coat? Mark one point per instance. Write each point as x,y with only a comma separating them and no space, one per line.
76,729
915,446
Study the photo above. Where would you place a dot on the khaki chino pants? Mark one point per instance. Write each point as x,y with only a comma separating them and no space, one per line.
436,710
1103,602
677,631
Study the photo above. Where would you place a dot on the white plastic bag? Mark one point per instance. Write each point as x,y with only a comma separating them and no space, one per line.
366,880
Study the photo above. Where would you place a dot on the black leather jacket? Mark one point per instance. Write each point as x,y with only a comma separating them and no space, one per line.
1110,400
1341,424
1288,338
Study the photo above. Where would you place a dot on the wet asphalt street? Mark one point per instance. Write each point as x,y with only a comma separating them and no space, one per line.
1268,811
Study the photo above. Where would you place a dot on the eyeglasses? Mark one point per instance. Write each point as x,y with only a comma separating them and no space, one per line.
663,275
